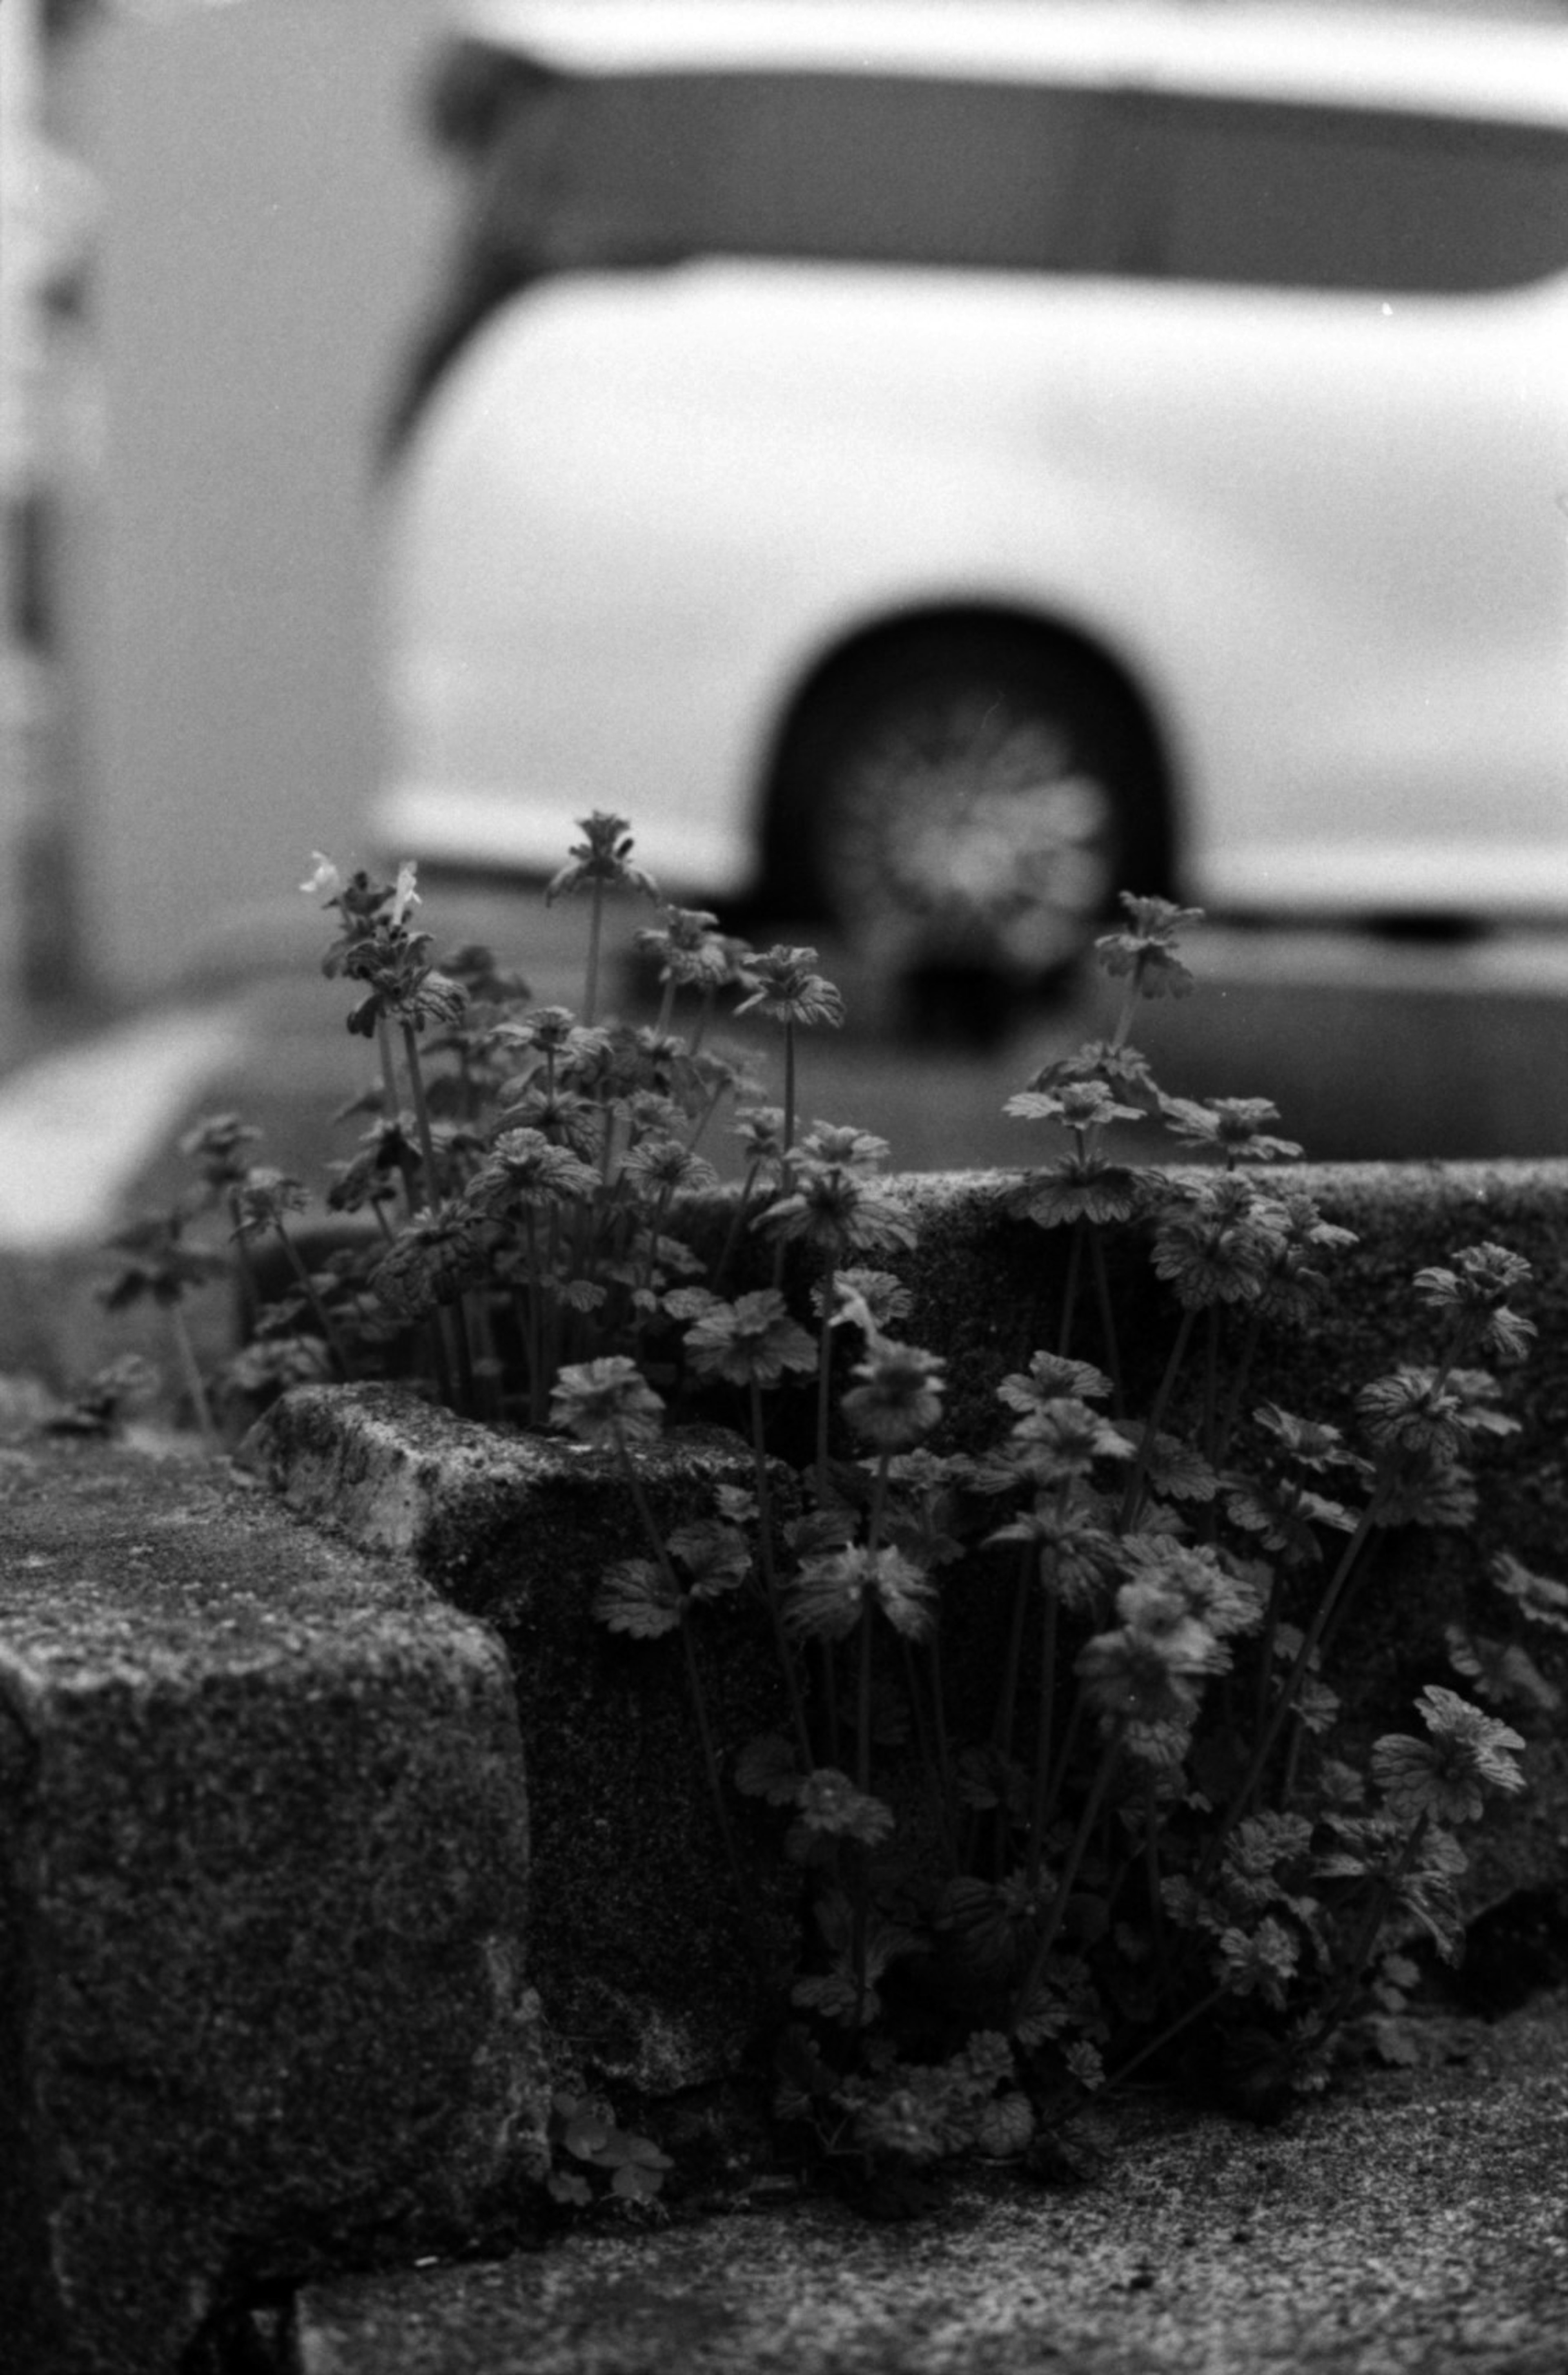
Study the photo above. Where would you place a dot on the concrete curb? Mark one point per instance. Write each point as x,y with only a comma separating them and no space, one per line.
266,1964
635,1939
262,1855
1412,2224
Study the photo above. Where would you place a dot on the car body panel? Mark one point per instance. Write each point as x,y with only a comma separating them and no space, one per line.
1321,531
789,462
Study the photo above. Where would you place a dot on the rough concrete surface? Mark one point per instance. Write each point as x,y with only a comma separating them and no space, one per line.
1416,2224
635,1941
263,1858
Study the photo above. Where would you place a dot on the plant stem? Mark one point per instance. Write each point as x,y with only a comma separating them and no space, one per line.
190,1369
824,1381
595,930
1076,1853
334,1341
1134,1495
1239,1381
1107,1322
1172,2028
1334,2011
738,1222
1069,1289
1286,1699
1042,1736
700,1707
422,1118
1007,1700
789,1086
770,1582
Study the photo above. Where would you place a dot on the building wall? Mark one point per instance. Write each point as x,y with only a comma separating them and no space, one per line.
270,218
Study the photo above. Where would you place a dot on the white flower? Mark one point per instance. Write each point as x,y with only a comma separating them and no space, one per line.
325,880
404,898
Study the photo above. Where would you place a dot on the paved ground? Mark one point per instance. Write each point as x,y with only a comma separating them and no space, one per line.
1372,1050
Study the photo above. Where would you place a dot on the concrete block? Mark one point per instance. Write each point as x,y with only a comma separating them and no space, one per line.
517,1530
263,1885
1411,2224
635,1941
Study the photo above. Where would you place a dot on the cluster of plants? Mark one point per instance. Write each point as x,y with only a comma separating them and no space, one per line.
1059,1760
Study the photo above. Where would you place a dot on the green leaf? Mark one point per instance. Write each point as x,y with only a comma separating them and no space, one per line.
636,1597
767,1767
586,2137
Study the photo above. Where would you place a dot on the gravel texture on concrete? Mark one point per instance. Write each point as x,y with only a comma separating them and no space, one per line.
262,1863
1414,2224
635,1940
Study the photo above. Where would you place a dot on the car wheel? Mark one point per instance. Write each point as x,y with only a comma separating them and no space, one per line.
976,802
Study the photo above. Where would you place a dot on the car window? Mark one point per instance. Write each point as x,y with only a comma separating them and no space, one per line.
854,168
1300,198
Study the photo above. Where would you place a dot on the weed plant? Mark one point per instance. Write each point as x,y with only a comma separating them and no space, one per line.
1137,1843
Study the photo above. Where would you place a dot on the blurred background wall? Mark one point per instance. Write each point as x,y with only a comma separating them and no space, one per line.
266,219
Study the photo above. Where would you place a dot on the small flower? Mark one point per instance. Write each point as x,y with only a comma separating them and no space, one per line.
324,881
1256,1850
899,1398
637,1596
761,1131
603,856
1543,1600
215,1145
666,1164
1147,1679
1146,947
689,947
1196,1578
1264,1958
1078,1556
829,1803
1085,2065
1446,1778
788,989
1079,1188
1065,1438
836,1212
1476,1292
1079,1105
716,1557
871,1300
1098,1059
1500,1671
1175,1470
1419,1485
1217,1242
830,1594
525,1168
433,1259
404,897
749,1342
1309,1442
855,1149
606,1402
1233,1125
1413,1410
1050,1376
263,1197
1295,1288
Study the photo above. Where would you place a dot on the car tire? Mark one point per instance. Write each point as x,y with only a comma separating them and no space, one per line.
973,800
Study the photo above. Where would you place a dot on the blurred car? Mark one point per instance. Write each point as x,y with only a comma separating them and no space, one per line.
938,465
